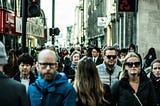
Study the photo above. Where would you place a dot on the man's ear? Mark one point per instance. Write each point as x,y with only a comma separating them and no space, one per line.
38,67
56,66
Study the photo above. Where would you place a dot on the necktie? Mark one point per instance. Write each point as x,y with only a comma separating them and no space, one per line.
95,60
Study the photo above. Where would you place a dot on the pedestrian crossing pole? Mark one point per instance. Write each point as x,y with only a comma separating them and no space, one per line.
53,14
24,19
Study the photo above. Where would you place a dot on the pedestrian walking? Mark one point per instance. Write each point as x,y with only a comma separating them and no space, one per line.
132,48
51,88
70,65
150,56
155,77
109,70
11,68
12,93
134,88
25,74
96,55
89,88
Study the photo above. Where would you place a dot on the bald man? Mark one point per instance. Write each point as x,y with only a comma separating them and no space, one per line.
51,88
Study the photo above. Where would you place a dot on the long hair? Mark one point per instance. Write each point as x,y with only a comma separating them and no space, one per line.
13,59
88,85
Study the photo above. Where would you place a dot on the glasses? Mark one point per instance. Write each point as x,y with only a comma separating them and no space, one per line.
130,64
111,56
45,65
155,68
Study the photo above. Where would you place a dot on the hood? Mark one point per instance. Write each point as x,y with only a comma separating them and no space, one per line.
44,85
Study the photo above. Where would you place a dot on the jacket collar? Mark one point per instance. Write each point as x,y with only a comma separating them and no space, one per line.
2,75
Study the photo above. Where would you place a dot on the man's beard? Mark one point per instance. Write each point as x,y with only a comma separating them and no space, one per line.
47,76
110,65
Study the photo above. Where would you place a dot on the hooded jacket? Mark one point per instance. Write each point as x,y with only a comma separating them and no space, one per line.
57,92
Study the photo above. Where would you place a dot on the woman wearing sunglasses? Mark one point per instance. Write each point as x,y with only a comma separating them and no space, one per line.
134,88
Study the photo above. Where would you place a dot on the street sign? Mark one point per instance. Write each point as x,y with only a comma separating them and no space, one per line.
102,21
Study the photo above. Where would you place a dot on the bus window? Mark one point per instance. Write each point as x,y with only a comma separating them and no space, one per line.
1,3
8,4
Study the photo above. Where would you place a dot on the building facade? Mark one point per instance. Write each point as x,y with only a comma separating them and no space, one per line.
139,27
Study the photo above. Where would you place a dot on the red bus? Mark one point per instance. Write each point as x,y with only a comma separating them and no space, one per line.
8,34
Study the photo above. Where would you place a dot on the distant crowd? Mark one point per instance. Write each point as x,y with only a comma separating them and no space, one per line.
81,76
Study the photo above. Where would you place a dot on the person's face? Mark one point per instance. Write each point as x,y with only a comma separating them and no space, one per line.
76,58
122,55
110,57
47,67
133,66
94,53
24,69
131,49
156,69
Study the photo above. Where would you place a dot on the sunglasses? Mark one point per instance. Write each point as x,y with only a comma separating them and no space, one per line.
130,64
45,65
155,68
111,56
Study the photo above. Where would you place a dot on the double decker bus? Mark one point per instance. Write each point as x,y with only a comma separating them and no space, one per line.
8,34
11,26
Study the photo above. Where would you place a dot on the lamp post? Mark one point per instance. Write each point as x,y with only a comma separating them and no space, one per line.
53,13
24,19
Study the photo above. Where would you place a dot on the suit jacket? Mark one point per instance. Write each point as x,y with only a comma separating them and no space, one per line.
99,61
12,93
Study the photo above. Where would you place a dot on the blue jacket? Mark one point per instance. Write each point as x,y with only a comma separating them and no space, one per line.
58,92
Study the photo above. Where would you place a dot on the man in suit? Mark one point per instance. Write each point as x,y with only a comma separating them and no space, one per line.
12,93
96,57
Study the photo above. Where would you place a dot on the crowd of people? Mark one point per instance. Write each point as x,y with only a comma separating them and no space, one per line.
81,76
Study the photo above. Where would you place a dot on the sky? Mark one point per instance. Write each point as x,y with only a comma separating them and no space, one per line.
64,13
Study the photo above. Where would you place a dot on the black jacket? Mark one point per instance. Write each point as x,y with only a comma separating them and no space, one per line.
156,83
123,94
12,93
31,77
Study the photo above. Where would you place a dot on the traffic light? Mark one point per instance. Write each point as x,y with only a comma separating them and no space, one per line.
33,8
54,31
127,5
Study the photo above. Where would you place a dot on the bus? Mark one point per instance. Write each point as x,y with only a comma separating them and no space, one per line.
11,26
8,34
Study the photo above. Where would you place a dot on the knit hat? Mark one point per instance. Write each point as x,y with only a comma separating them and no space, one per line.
3,55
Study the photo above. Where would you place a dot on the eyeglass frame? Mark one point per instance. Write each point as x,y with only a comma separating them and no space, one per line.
130,64
45,65
111,56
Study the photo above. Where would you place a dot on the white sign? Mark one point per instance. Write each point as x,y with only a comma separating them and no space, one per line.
102,21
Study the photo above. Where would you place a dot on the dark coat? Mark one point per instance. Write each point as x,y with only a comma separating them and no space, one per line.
12,93
31,77
156,83
99,61
123,94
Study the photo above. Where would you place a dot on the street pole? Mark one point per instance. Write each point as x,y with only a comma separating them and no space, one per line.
53,9
53,13
24,19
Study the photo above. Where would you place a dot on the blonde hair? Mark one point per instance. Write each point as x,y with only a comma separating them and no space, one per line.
130,54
